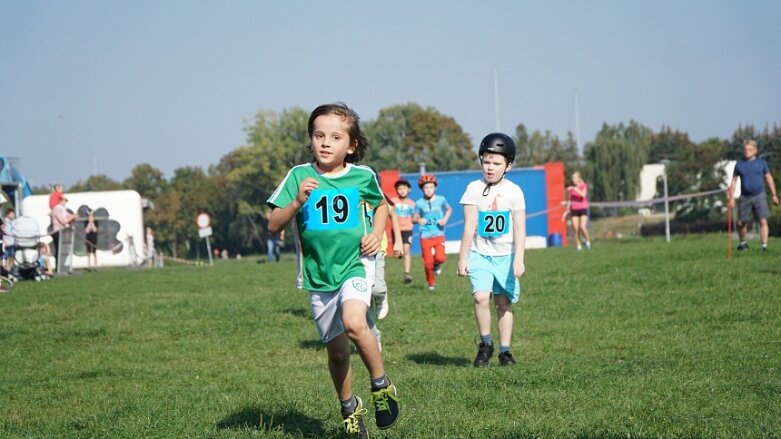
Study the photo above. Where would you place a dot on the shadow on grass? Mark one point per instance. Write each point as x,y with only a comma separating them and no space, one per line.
298,312
315,345
434,359
292,423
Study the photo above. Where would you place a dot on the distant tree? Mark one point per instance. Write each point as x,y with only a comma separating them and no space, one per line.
614,161
246,176
96,183
146,180
40,190
540,148
666,143
695,168
403,136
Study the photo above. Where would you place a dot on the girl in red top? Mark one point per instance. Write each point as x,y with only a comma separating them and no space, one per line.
577,208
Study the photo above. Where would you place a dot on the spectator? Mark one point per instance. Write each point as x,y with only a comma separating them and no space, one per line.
754,173
62,219
9,244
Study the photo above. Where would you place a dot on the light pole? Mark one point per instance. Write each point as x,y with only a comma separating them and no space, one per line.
665,162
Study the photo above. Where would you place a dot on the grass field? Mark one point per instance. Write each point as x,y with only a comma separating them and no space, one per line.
635,339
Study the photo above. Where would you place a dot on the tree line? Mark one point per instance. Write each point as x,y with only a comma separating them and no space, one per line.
234,190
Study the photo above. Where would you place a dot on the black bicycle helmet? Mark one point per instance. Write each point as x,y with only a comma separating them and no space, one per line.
498,143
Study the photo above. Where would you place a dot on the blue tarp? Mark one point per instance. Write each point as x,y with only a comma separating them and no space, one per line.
11,179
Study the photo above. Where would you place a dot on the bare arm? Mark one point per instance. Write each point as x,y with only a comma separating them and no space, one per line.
398,246
281,217
448,212
470,225
772,185
519,241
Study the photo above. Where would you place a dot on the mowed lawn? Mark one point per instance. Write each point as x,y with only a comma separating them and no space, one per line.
634,339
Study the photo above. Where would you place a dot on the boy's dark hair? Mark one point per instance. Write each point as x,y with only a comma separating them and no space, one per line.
356,135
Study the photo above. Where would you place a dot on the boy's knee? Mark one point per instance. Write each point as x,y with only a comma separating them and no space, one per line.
355,327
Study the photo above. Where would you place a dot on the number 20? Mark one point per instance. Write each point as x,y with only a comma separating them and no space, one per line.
494,224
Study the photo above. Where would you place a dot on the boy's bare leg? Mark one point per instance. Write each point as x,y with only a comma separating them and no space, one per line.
357,329
504,317
482,312
339,365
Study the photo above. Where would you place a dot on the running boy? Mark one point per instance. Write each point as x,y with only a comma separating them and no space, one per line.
432,212
493,244
338,247
403,211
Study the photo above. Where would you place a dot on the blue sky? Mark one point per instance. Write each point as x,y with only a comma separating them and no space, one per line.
100,86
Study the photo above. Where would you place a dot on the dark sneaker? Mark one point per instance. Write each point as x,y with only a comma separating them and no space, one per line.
386,406
353,422
506,359
484,354
742,246
407,278
437,269
764,248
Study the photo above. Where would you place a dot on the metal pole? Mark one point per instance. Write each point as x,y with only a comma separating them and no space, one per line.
666,206
209,250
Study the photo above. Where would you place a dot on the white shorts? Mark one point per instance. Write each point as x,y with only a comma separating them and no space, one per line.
327,306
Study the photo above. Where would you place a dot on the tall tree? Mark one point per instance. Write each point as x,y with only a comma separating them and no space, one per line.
99,182
403,136
614,161
147,181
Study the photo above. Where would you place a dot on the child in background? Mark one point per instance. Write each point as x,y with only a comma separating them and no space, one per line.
577,209
338,246
9,243
432,213
403,210
493,243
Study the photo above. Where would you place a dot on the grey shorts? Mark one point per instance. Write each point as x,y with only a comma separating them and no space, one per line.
756,204
327,306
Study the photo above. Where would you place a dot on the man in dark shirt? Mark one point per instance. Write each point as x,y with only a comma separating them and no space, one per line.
753,172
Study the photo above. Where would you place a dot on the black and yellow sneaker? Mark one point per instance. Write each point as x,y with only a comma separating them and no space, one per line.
353,422
386,406
484,354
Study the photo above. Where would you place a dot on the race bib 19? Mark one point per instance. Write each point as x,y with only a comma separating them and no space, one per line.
332,209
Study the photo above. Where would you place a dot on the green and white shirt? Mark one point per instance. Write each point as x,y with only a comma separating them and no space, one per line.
332,222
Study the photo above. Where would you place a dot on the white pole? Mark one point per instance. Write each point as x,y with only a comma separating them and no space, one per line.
496,99
666,206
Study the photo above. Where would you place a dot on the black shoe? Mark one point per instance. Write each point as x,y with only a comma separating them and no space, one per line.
506,359
742,246
353,422
764,248
437,269
484,353
407,278
386,406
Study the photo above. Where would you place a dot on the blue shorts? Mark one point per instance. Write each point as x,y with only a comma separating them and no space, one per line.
494,274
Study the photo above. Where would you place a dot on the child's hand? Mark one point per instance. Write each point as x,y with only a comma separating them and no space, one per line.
442,222
518,267
305,189
462,268
398,249
370,245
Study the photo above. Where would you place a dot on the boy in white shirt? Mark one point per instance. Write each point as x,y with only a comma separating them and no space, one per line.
492,246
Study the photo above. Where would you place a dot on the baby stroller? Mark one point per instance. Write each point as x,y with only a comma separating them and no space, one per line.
27,256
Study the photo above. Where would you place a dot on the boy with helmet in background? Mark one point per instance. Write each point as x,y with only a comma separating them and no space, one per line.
432,213
403,210
493,243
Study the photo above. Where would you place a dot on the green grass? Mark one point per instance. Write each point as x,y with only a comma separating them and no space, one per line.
635,339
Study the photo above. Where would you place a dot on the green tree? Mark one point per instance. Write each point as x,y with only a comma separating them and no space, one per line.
247,176
96,183
403,136
614,161
146,180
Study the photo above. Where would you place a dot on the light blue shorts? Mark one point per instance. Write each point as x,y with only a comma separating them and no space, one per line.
494,274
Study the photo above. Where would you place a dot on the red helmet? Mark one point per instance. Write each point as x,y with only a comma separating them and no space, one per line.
427,178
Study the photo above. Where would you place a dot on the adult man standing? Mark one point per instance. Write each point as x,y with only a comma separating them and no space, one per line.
753,172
